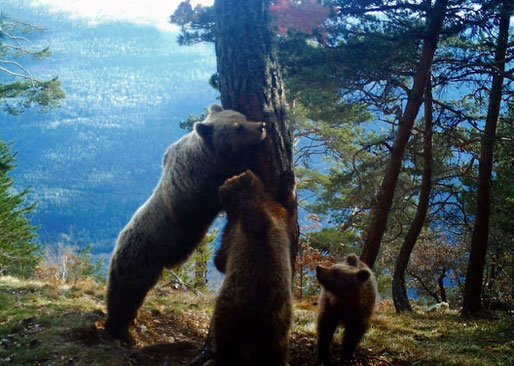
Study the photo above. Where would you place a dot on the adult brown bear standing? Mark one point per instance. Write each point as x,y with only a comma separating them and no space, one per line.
166,229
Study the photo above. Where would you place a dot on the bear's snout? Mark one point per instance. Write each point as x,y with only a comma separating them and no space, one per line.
318,271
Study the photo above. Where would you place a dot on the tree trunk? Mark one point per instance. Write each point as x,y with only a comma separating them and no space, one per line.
440,283
250,83
400,299
300,297
472,302
381,205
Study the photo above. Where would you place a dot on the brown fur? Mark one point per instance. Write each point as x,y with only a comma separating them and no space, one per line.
347,297
253,311
286,199
167,228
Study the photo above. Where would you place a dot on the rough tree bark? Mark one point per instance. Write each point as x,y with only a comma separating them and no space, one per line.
472,302
381,205
440,283
250,83
400,299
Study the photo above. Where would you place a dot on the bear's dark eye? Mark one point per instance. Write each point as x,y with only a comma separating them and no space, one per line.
239,128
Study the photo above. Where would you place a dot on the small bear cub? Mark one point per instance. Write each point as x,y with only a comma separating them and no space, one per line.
347,297
253,311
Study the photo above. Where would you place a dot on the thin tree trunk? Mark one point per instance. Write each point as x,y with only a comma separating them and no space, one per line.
400,299
440,283
426,288
301,284
382,204
472,302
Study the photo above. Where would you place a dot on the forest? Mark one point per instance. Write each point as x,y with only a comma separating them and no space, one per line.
397,118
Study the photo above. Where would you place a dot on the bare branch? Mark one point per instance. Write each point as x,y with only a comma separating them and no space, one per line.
16,38
18,21
181,283
385,8
20,49
27,75
13,73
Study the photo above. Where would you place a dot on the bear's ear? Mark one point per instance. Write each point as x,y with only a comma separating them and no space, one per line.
203,130
224,195
215,108
248,178
321,274
363,275
352,260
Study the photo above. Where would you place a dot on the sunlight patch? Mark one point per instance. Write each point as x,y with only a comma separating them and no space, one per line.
150,12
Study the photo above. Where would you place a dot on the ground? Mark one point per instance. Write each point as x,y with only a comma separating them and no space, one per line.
51,324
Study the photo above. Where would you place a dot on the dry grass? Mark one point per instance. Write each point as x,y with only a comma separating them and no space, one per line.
48,324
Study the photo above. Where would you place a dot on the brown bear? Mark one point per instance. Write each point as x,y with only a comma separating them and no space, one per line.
253,311
348,296
166,229
286,198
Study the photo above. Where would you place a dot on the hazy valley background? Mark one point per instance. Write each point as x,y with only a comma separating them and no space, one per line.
93,161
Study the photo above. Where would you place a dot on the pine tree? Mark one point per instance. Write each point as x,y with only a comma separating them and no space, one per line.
20,89
472,302
19,253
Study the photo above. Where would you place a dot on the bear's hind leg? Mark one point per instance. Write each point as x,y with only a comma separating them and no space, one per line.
326,327
353,333
125,295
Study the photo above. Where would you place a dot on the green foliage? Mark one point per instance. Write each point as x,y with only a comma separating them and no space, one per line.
503,181
365,61
332,239
358,67
20,95
201,256
90,270
500,260
25,90
497,281
193,273
19,254
191,120
196,25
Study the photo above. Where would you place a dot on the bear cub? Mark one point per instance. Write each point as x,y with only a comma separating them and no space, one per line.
253,311
347,297
166,229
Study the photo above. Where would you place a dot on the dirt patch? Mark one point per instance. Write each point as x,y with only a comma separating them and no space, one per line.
303,353
174,339
169,354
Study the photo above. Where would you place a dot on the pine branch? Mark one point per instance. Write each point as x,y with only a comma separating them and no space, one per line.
27,75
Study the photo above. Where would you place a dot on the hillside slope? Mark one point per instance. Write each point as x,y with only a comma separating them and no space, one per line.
91,163
49,324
